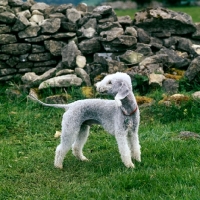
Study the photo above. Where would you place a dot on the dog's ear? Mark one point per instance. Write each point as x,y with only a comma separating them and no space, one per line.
122,93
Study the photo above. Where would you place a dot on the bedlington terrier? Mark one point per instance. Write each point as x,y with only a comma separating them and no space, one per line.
120,117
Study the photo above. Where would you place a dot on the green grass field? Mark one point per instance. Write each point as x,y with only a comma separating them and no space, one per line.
170,167
192,11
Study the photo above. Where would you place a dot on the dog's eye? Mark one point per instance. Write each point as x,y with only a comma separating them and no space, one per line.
109,82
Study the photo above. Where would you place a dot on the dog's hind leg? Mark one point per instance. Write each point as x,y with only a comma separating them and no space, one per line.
77,147
67,139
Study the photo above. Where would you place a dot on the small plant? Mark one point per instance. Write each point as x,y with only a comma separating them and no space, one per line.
186,85
140,84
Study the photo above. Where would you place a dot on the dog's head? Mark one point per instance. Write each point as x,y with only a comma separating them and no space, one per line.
118,85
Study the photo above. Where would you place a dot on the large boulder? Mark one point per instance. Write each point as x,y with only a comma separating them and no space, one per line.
160,20
61,81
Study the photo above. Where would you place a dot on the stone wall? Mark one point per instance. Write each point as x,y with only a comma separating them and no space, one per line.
63,45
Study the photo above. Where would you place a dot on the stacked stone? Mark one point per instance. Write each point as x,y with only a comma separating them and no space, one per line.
60,45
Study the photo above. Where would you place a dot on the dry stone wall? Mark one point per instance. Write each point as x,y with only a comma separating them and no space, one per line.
48,45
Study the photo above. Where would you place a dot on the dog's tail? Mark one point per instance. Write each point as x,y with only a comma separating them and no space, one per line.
64,106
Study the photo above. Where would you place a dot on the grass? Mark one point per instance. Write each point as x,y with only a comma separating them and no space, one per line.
169,167
192,11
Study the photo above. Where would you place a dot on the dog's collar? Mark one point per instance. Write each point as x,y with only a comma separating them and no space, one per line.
125,113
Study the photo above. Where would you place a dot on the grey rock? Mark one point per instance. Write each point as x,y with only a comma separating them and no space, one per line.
193,69
164,20
38,39
37,48
80,61
89,46
156,43
120,44
61,81
125,20
7,17
50,25
91,23
8,71
143,36
63,35
69,53
16,49
196,95
3,2
131,31
196,48
40,6
64,72
115,66
54,46
33,80
41,70
196,34
156,80
5,29
30,31
108,26
57,15
25,13
39,57
4,57
144,49
170,42
102,58
19,25
111,34
83,75
165,34
37,18
15,2
103,10
12,61
188,135
131,57
112,17
95,69
185,44
7,38
45,63
87,33
29,78
69,26
170,86
63,7
174,60
154,64
23,58
24,65
73,15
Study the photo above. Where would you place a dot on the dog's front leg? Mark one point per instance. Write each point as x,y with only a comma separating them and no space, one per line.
124,150
134,146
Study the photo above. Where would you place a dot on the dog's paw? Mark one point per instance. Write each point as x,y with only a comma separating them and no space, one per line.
130,165
137,156
84,159
58,166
